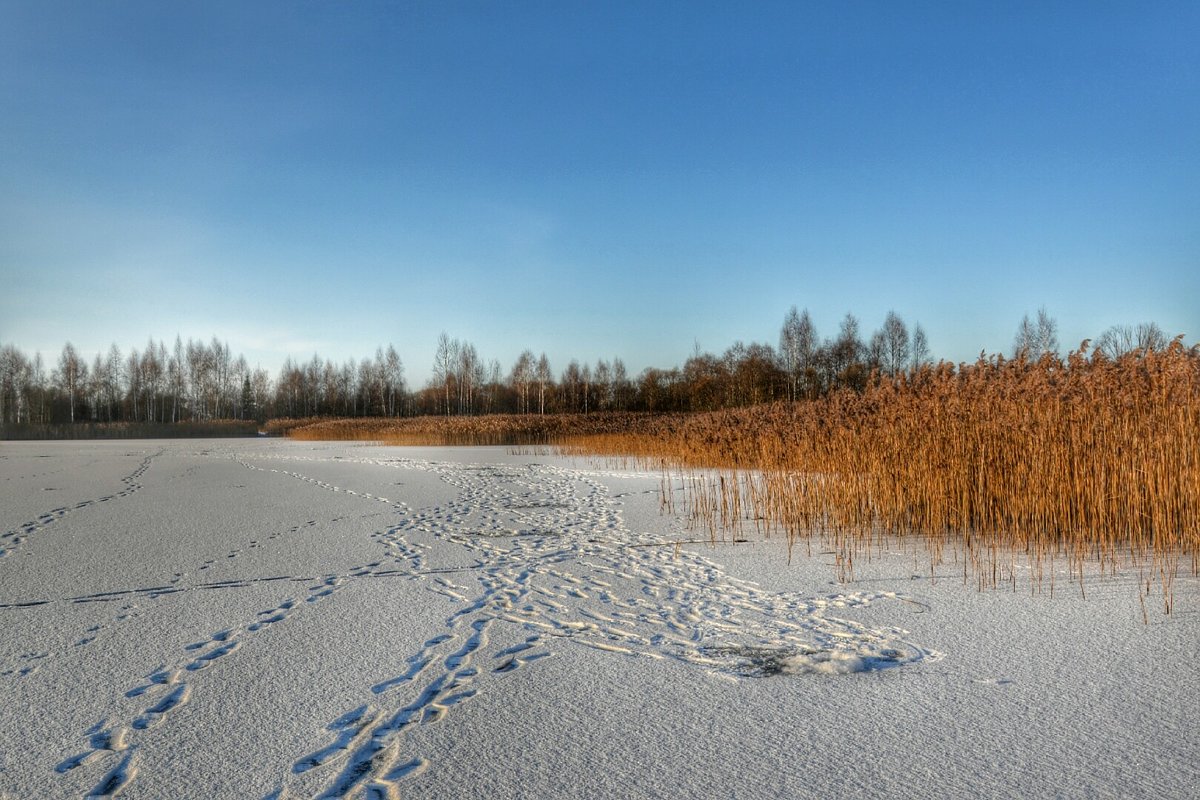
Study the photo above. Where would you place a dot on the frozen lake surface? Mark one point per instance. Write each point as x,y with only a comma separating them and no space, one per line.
273,619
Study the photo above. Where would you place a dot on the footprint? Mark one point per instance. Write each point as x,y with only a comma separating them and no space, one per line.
154,715
353,725
163,677
206,660
117,779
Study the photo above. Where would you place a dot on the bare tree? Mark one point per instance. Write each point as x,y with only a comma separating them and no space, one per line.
1047,332
1036,339
38,381
571,382
755,375
896,345
112,380
197,377
94,390
71,374
23,373
314,388
544,378
164,378
133,383
620,382
443,366
585,375
13,371
365,383
874,355
260,386
221,389
494,376
920,348
789,350
7,369
798,344
394,370
478,378
152,370
846,353
735,391
706,379
651,388
467,363
603,376
1121,339
178,379
520,378
245,405
348,387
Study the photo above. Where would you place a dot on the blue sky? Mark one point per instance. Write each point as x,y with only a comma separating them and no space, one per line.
592,179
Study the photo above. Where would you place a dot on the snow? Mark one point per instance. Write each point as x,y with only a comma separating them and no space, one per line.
272,619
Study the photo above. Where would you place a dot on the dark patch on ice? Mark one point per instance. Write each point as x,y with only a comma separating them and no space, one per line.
513,533
763,661
757,661
534,505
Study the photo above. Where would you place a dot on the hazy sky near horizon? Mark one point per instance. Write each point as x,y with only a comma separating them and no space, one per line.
592,179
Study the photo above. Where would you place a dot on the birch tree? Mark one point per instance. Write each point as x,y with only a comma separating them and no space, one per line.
897,347
603,385
443,366
71,373
920,348
620,381
38,382
467,367
521,377
1036,339
394,368
544,377
798,344
178,379
112,380
13,366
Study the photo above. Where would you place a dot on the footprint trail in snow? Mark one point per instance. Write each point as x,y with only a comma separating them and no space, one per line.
551,558
528,560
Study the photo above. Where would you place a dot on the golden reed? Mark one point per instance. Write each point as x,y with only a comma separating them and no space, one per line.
1002,460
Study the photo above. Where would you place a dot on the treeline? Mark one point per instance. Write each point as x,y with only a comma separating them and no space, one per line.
217,428
198,382
192,382
743,375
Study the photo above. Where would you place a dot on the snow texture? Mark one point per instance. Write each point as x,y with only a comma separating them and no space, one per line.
270,619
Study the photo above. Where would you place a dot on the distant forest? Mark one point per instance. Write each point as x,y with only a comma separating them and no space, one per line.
195,381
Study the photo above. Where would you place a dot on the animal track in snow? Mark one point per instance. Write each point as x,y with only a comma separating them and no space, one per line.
10,540
169,688
552,556
540,556
28,664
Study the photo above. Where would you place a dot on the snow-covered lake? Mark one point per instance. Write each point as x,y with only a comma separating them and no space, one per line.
272,619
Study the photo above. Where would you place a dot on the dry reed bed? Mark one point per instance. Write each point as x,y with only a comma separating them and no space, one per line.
1094,460
494,429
